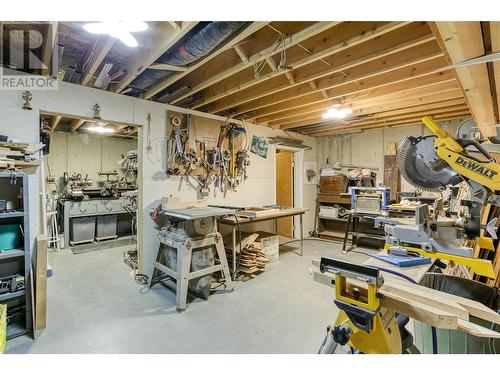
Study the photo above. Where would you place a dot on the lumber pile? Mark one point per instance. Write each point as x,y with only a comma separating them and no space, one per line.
252,259
15,156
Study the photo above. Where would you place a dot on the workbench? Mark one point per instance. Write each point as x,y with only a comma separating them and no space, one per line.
287,212
91,207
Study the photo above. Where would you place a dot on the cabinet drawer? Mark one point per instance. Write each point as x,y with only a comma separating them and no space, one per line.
108,207
82,208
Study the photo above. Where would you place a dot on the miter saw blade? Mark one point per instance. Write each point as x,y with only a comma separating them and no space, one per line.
421,166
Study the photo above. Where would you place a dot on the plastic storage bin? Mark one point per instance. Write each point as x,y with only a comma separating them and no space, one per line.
82,229
106,226
10,236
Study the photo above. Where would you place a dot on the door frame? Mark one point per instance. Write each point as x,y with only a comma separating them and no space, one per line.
298,179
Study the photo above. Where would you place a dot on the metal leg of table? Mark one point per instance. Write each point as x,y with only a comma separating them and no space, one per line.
346,235
355,225
301,235
234,252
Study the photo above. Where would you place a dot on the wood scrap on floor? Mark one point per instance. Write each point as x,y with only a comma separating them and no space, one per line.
252,259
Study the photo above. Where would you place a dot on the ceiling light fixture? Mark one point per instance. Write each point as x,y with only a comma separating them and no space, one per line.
98,124
337,112
119,29
99,128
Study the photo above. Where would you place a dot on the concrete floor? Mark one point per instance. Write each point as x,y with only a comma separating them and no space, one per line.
94,306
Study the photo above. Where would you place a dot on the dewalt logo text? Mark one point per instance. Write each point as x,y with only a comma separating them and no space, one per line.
476,167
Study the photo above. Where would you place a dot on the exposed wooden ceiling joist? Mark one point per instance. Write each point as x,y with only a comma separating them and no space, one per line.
437,101
97,56
418,95
49,43
76,124
55,122
412,119
396,68
464,41
270,83
495,47
161,38
252,28
264,54
341,71
416,81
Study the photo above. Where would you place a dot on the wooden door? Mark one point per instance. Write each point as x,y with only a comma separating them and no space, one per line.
284,190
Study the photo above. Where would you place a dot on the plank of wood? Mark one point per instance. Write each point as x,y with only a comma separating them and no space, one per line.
474,308
476,330
98,55
41,283
391,176
423,296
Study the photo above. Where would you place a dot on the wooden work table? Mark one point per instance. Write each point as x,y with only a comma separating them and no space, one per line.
287,212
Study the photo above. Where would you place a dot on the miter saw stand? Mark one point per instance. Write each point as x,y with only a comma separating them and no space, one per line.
187,231
442,237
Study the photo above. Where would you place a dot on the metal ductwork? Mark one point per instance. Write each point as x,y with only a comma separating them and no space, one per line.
201,44
189,50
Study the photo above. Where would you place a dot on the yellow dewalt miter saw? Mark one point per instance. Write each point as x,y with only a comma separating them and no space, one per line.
432,163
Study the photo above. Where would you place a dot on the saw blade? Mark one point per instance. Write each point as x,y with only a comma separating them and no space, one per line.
421,166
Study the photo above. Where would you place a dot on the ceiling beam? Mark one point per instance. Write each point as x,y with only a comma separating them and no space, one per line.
49,44
97,56
55,122
264,54
495,47
437,107
312,74
412,119
448,89
394,68
177,25
76,124
322,50
359,110
159,40
243,56
368,90
160,86
464,41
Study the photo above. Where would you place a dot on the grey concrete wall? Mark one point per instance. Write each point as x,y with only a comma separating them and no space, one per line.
368,148
85,154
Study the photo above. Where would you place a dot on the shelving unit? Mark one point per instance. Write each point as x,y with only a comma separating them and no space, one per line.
331,228
17,261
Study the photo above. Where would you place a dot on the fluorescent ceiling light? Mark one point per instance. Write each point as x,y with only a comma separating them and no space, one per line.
99,128
119,29
337,112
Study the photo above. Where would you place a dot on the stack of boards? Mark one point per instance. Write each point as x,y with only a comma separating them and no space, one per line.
14,156
252,259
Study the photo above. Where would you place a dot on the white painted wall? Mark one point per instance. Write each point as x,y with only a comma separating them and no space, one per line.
77,101
86,154
368,148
